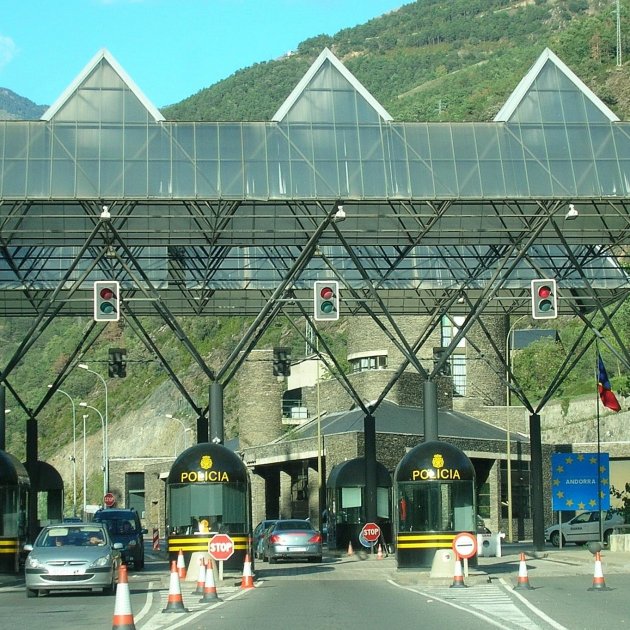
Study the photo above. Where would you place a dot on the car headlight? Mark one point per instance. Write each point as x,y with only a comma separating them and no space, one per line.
132,543
103,561
33,563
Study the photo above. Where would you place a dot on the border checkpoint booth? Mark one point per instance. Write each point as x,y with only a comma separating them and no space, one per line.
346,503
435,501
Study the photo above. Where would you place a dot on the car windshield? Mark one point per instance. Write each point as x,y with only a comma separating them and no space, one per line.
286,525
117,526
71,536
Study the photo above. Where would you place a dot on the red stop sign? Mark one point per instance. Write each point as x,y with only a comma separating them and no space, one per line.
371,532
109,500
221,547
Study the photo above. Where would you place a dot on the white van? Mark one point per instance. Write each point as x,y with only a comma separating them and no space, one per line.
584,528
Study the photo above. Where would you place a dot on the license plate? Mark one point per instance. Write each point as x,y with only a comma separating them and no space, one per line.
297,548
68,571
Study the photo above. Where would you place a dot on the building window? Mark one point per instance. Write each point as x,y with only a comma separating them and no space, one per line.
450,327
363,364
521,507
135,491
483,500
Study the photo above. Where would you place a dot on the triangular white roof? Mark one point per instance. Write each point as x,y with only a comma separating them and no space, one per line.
510,106
327,55
102,54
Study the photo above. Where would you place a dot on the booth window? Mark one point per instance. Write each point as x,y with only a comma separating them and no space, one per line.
521,507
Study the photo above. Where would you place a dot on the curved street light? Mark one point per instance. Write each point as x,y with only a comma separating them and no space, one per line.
84,366
184,428
74,450
100,415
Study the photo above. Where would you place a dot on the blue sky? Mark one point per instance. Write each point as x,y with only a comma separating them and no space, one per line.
170,48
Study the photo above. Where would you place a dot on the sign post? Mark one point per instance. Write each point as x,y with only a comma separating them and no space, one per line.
109,500
220,548
465,546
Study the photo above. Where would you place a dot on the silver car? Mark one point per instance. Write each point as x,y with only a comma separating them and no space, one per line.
292,539
72,556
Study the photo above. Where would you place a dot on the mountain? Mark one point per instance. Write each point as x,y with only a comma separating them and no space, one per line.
431,60
16,107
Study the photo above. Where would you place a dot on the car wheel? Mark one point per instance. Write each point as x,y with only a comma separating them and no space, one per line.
111,589
139,564
315,559
273,560
32,592
555,539
607,534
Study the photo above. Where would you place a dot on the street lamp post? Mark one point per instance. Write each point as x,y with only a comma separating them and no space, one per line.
100,415
170,416
85,417
508,446
74,450
83,366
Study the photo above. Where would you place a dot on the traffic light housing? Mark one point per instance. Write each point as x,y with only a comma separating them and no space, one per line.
544,299
106,301
326,300
282,362
117,366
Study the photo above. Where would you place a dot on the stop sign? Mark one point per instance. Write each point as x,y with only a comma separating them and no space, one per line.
221,547
371,532
109,500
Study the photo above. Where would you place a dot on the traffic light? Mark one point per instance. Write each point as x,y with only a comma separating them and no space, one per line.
326,300
282,362
117,366
106,301
544,299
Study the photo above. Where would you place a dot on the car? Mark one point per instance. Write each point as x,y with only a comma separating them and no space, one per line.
124,527
292,539
584,528
258,536
72,556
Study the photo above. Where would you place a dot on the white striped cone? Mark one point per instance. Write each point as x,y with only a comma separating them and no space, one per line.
458,575
523,580
248,579
598,576
201,578
210,590
123,617
379,554
174,603
181,565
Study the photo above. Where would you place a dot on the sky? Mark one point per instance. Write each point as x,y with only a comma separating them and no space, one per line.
170,48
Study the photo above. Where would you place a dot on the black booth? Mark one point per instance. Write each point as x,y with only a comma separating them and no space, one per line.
435,500
346,513
14,489
47,492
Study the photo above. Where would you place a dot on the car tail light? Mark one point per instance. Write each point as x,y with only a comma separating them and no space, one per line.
274,538
316,538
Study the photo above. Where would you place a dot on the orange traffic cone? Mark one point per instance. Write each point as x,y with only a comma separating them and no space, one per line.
523,580
210,590
201,578
123,617
458,576
248,578
379,553
598,577
175,603
350,550
181,565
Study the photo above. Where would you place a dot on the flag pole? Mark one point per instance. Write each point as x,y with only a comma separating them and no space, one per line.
599,486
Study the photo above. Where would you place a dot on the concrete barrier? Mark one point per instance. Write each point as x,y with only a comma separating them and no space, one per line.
489,545
619,542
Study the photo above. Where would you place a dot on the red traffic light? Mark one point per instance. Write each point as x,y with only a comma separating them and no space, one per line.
106,293
544,291
326,293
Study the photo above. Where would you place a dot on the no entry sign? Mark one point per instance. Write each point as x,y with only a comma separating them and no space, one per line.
465,545
221,547
371,532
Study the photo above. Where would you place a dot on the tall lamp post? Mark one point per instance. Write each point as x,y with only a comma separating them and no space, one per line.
170,416
85,417
74,450
83,366
100,415
508,446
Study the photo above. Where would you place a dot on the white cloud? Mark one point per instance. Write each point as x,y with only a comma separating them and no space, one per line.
7,51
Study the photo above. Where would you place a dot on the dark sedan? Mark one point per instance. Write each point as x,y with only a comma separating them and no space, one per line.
292,539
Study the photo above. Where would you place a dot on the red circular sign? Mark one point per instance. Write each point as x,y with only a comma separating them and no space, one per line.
109,500
465,545
221,547
371,532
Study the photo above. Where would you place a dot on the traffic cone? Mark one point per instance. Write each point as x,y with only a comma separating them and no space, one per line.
201,578
598,576
350,550
248,578
123,617
523,580
458,576
210,590
175,603
379,553
181,565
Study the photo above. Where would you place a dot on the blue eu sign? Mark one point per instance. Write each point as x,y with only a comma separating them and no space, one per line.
580,481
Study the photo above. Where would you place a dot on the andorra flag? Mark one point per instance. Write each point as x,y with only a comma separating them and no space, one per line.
606,394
